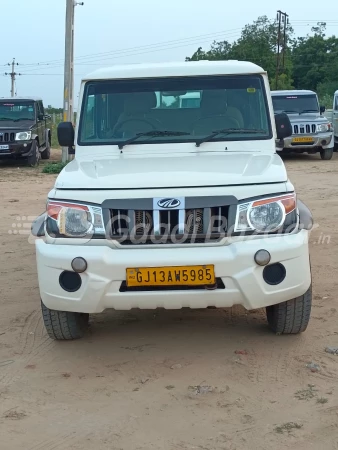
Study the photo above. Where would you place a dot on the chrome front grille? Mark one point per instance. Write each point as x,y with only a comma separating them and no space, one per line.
7,137
308,128
145,227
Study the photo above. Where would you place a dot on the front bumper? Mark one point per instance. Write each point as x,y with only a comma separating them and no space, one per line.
15,149
234,264
317,142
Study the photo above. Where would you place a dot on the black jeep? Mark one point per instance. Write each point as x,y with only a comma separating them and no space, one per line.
25,131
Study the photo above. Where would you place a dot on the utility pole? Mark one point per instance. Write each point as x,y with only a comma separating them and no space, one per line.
281,17
68,112
13,75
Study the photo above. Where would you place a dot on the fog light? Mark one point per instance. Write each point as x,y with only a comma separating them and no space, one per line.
262,257
79,265
274,274
70,281
324,142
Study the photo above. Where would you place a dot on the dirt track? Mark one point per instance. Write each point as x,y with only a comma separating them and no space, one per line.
131,383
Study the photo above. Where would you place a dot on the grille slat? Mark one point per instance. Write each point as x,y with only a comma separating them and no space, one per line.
119,221
206,220
198,225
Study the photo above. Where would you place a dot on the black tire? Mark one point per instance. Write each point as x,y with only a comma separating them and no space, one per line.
34,159
291,317
46,153
63,325
326,154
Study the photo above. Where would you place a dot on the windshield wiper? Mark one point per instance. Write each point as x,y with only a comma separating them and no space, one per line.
152,134
5,118
308,110
23,118
227,131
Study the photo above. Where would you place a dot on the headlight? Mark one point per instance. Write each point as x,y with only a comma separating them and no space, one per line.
322,128
266,215
73,220
23,136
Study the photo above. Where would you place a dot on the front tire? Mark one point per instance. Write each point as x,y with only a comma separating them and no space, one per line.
326,154
46,153
291,317
64,325
34,159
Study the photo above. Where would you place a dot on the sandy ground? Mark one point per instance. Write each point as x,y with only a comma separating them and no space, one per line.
135,381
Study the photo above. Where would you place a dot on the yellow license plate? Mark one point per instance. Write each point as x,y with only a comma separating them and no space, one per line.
171,276
302,139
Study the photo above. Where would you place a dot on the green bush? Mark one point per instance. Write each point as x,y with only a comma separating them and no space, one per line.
54,167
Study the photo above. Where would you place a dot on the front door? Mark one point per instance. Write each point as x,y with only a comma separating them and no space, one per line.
41,123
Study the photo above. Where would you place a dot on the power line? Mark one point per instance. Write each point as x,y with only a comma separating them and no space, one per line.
95,62
92,59
156,47
131,51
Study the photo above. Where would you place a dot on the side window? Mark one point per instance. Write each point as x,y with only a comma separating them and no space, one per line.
188,100
88,129
169,102
336,103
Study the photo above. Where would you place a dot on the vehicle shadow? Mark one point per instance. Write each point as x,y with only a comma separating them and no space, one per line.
168,338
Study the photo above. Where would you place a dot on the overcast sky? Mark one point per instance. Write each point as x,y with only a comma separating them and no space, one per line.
131,31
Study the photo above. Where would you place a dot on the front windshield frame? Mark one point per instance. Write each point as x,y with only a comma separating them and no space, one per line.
17,103
148,85
290,98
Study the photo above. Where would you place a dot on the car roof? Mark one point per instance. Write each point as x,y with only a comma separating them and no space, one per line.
176,69
13,99
293,92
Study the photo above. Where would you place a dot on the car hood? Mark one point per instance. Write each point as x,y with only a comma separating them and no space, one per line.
186,170
9,125
310,117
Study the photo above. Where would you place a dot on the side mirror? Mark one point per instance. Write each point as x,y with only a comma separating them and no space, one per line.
322,109
66,134
41,117
283,126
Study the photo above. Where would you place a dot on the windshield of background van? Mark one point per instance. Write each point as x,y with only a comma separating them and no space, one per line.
296,104
15,111
188,108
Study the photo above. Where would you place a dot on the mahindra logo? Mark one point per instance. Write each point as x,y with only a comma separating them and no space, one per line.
168,203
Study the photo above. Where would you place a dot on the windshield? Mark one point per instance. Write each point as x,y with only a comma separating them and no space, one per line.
187,109
295,103
14,110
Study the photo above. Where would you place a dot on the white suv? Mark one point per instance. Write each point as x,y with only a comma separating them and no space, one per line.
170,206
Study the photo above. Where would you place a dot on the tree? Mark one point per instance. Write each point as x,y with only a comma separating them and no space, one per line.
258,44
218,51
311,61
315,59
